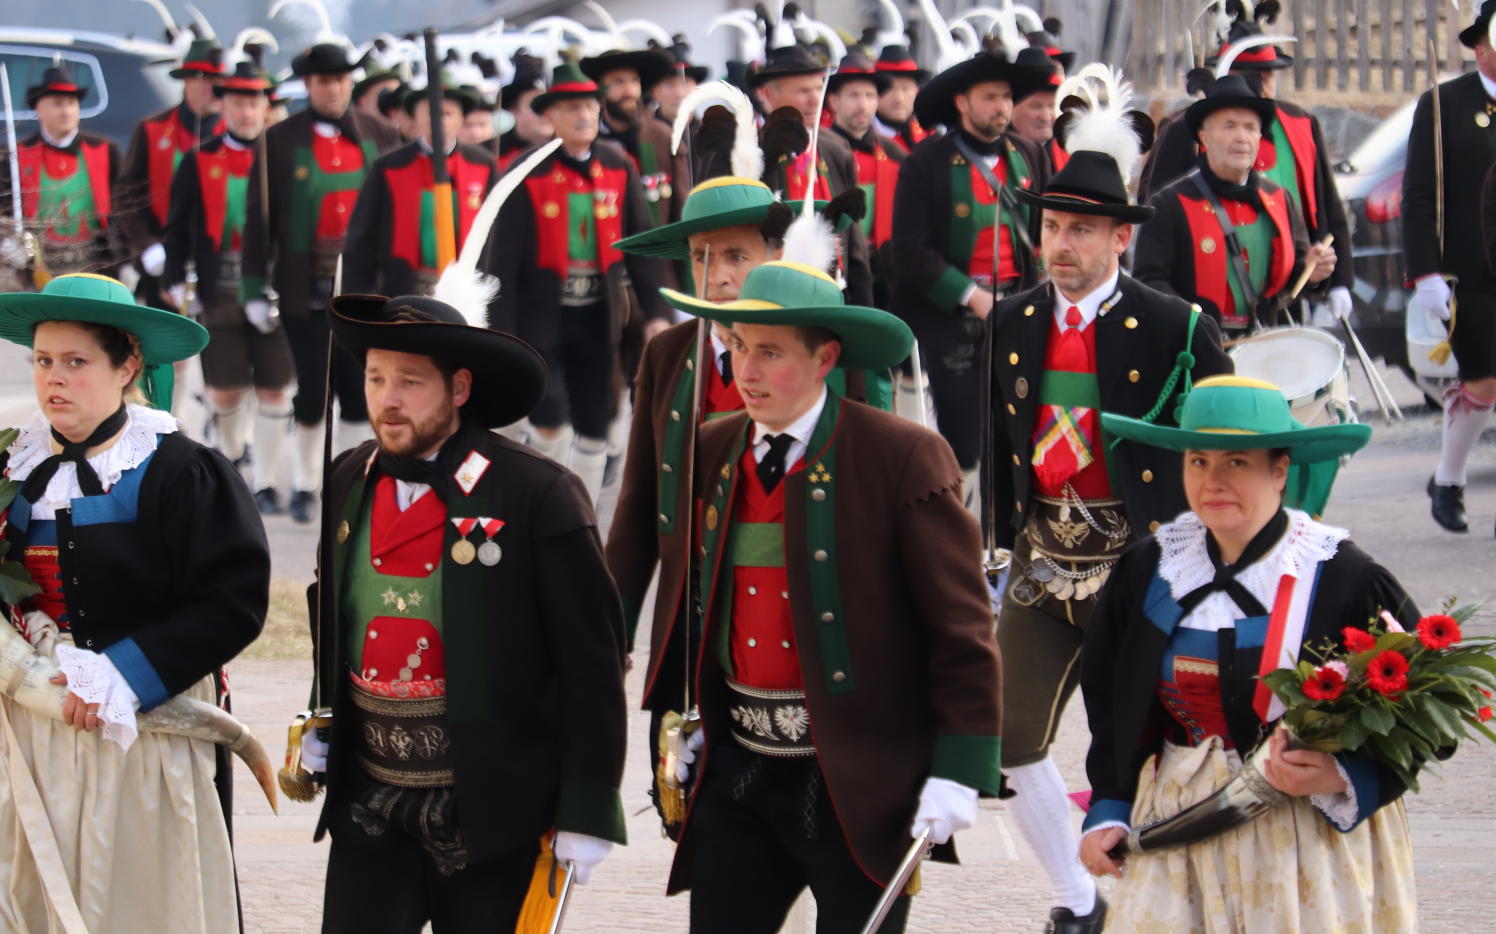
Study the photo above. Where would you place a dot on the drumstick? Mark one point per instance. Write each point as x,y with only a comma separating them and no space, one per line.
1390,409
1308,271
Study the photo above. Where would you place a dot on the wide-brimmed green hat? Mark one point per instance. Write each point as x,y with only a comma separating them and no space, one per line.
725,201
797,295
165,336
1238,413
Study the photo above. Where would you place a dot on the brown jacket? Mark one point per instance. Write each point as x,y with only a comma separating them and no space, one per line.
892,621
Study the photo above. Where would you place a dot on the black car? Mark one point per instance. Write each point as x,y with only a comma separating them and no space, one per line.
126,79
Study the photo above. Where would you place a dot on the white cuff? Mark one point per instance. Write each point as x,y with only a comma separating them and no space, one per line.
966,296
1108,823
95,680
1340,808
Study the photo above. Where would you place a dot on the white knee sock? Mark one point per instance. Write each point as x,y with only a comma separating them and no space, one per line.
557,447
228,426
306,459
906,399
351,435
588,458
1465,418
1043,815
618,429
272,425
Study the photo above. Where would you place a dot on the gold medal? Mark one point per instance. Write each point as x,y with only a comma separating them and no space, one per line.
463,551
1482,119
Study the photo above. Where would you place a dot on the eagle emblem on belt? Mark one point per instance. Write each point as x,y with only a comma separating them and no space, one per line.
1068,534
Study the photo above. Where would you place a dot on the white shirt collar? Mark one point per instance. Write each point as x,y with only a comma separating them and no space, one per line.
407,493
1488,84
65,143
326,129
1090,303
426,145
232,143
800,429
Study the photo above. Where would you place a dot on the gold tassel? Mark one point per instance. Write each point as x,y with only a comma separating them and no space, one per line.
540,901
297,783
916,882
674,730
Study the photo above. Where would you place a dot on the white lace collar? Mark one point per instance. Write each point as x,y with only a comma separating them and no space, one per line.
1185,565
136,443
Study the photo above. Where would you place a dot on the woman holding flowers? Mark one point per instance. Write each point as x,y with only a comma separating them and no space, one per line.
1232,589
145,570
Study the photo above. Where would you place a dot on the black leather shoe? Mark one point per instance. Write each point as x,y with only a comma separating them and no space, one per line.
269,501
1448,505
303,506
1064,921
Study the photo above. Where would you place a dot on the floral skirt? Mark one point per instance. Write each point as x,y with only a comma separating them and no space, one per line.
110,842
1288,870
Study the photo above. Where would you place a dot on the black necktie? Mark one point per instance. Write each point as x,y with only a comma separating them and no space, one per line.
726,358
1225,574
88,481
771,468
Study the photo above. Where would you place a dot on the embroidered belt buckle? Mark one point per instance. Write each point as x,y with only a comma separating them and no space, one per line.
230,270
1073,545
404,741
584,286
771,723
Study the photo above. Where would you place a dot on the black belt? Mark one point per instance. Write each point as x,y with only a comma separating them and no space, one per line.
772,723
404,741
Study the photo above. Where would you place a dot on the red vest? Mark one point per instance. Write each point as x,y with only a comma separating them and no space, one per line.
336,155
165,139
1092,482
876,169
762,637
404,544
37,157
719,396
1300,133
794,178
407,184
980,266
1058,157
213,172
550,196
1210,255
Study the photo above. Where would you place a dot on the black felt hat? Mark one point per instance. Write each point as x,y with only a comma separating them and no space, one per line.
650,64
896,61
785,62
203,59
1258,58
856,66
936,101
1090,183
1046,73
1472,34
1050,45
324,58
508,374
55,80
1225,92
568,81
245,79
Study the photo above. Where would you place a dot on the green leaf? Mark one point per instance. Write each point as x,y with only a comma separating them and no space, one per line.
1449,722
1392,750
1353,735
15,584
1377,719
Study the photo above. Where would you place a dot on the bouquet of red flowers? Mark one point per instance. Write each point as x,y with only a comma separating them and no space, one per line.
1400,698
15,582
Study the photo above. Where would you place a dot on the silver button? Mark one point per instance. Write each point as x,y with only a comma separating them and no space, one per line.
675,415
82,613
785,594
70,546
821,554
818,494
752,591
785,643
667,468
88,642
430,566
373,634
75,580
752,643
839,677
664,518
828,617
377,562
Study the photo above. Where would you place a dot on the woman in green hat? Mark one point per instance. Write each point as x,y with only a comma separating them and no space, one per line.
147,569
1169,672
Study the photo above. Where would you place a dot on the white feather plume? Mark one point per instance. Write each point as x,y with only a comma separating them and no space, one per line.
747,158
610,26
805,27
965,36
325,30
1007,31
947,52
752,42
1223,67
461,284
205,27
172,29
651,29
247,35
810,239
1105,127
893,34
1074,86
1023,12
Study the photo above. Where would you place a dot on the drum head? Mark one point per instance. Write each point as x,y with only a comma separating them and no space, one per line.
1299,361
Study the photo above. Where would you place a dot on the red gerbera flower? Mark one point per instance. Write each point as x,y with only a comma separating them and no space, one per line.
1438,631
1388,673
1358,640
1327,684
1485,714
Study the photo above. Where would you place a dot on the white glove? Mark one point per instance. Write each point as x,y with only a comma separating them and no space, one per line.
262,315
582,851
153,260
1431,296
13,251
687,755
945,807
1340,303
178,296
314,750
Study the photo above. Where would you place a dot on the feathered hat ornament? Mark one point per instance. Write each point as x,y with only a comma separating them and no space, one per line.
747,158
1096,114
810,238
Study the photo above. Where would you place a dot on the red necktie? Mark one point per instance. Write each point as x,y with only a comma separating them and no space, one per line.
1062,444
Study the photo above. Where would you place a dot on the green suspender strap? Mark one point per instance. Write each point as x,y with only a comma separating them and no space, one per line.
1184,365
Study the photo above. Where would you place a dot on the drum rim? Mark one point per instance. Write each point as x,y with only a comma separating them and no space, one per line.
1318,335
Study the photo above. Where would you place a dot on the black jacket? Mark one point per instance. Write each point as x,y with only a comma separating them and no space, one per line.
926,291
186,237
1468,150
1137,343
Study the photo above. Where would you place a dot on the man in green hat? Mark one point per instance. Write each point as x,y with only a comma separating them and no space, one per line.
849,680
156,148
205,231
566,287
300,199
1059,496
391,245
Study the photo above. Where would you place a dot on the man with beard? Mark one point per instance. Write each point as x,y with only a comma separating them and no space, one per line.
456,744
300,198
530,128
206,229
961,239
623,76
1033,108
1066,501
156,148
565,282
895,119
852,94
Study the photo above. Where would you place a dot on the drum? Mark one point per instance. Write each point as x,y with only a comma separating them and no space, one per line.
1307,364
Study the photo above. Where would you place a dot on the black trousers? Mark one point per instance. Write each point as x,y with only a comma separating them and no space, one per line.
307,333
389,885
764,829
579,389
956,385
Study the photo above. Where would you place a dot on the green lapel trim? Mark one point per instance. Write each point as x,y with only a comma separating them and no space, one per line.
715,520
820,552
354,505
673,448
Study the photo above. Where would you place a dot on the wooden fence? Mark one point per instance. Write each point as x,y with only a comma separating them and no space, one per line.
1374,49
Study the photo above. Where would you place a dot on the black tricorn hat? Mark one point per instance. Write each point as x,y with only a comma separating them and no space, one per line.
1225,92
650,64
936,101
786,61
1090,183
55,80
1471,35
508,374
324,58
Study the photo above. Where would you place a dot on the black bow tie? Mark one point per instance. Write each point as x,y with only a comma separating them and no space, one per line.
1225,574
726,359
771,468
88,481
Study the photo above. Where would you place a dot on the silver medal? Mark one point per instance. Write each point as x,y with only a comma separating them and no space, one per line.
1055,586
1042,571
1067,591
489,554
